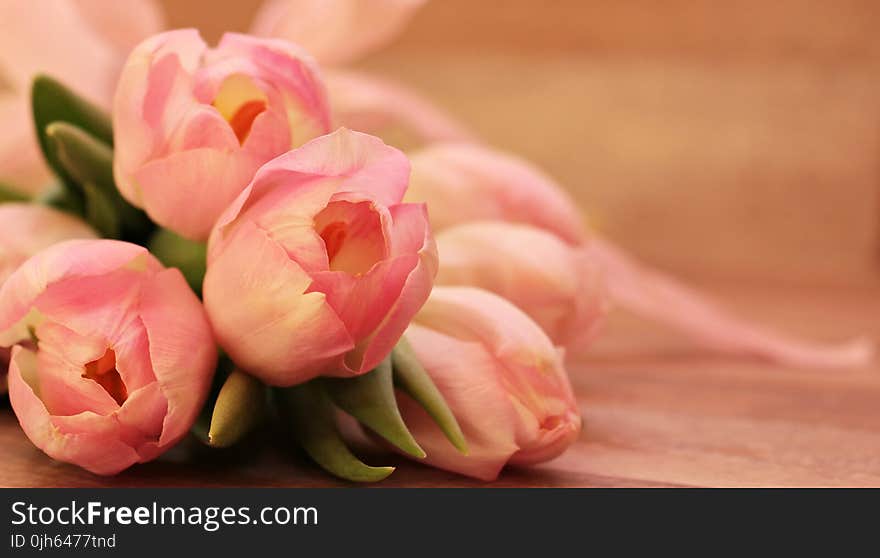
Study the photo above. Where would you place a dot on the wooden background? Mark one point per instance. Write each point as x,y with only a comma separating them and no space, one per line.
735,143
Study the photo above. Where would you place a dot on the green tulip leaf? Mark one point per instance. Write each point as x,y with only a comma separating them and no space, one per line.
411,377
88,160
370,399
100,212
240,406
189,256
311,414
58,196
83,157
51,101
203,423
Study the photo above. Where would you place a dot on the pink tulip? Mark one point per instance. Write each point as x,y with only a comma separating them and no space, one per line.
193,124
560,288
317,267
464,183
83,43
112,354
501,376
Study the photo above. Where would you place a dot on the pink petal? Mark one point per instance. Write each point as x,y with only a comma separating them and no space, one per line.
141,421
207,179
363,162
651,294
412,235
289,68
63,261
557,285
532,363
472,314
382,107
347,294
153,94
182,349
202,127
94,448
335,31
467,182
263,316
287,215
63,354
98,306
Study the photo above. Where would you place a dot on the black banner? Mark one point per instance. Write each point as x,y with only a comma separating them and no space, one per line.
411,522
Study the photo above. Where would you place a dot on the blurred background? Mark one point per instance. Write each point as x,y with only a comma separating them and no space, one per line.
713,139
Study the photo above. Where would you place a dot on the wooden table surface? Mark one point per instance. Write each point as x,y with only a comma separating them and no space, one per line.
658,412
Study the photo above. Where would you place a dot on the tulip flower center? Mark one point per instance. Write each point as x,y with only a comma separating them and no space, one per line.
240,102
243,119
333,236
103,371
352,235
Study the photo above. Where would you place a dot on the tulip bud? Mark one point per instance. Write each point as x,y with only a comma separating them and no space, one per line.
112,354
192,124
501,376
557,285
317,268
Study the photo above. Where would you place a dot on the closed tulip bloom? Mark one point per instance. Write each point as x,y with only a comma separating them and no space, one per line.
501,376
317,268
112,354
559,286
192,124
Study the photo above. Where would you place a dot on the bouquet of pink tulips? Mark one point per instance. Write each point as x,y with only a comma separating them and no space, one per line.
227,243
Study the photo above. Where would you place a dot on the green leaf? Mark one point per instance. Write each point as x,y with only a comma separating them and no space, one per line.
189,256
311,414
100,212
53,102
240,405
82,156
89,161
63,198
10,194
370,399
203,422
411,377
